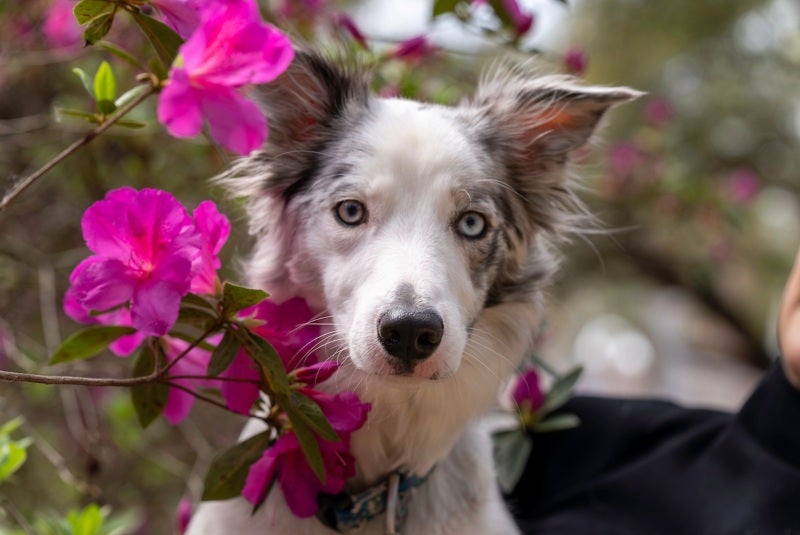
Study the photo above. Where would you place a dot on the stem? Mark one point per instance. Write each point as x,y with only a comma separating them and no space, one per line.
210,378
16,377
209,399
26,182
193,345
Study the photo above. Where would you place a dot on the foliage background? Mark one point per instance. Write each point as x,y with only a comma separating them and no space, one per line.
697,182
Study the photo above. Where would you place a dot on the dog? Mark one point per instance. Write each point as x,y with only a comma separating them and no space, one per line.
424,236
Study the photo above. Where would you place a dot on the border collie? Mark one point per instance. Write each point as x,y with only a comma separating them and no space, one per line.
423,235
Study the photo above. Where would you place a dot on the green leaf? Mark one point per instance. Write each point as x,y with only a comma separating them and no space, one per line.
89,342
11,426
148,399
308,443
87,82
90,117
559,422
12,457
223,354
202,319
106,107
121,53
105,85
98,27
86,522
441,7
87,10
198,302
267,358
561,390
227,474
511,452
130,95
125,123
236,298
165,41
307,409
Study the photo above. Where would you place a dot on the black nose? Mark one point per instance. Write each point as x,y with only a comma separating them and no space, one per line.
410,334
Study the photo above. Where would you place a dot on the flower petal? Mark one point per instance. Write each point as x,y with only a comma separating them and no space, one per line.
235,122
238,396
344,411
179,106
154,308
316,373
299,484
214,229
102,283
262,472
179,402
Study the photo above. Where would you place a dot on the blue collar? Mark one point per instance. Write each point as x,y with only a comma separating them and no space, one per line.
345,512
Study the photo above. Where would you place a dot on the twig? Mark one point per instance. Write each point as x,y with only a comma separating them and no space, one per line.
209,399
16,377
222,379
25,183
192,346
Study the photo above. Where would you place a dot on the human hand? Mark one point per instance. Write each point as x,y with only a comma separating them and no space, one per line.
789,325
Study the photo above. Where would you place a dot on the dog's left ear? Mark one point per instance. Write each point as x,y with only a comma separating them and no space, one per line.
543,119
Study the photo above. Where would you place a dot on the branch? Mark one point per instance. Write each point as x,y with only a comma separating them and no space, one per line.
16,377
26,182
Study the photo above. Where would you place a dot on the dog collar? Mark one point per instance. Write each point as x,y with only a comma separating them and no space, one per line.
346,512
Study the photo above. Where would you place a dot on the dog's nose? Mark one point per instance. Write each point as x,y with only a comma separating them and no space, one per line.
410,334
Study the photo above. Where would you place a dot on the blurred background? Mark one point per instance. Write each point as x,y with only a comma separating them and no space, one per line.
694,186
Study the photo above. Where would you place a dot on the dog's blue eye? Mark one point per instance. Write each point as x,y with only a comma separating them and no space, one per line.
351,212
472,225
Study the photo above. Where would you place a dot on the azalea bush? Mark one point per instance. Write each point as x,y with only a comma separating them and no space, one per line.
149,291
162,98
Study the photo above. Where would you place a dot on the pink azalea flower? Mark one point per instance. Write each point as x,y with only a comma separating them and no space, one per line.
285,462
194,363
231,48
214,229
521,20
183,16
238,396
183,515
349,25
60,27
145,244
575,61
658,111
624,158
316,373
743,185
286,327
415,48
527,393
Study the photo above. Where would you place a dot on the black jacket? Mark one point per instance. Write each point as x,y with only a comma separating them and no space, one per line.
652,467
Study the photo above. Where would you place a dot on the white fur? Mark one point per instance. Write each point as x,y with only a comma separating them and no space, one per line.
416,168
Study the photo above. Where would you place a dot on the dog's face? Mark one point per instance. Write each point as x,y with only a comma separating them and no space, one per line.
404,221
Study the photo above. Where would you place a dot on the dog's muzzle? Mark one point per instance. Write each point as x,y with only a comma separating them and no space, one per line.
410,334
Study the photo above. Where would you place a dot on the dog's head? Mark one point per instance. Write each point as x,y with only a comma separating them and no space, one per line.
405,221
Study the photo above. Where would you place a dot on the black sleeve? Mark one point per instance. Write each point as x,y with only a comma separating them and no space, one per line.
650,467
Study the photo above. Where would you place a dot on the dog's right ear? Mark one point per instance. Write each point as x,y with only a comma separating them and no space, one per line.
303,107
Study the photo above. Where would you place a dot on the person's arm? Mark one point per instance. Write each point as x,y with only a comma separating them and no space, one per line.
789,326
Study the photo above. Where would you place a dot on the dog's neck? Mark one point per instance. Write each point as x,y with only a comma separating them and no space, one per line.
414,423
